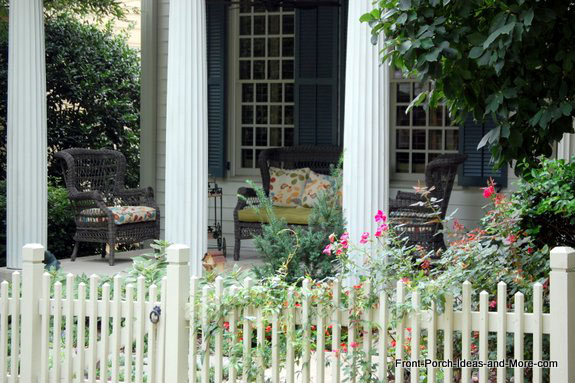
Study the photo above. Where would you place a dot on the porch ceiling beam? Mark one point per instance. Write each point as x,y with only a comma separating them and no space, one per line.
27,195
366,126
187,130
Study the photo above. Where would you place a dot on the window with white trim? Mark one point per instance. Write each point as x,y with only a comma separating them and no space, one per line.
265,51
419,136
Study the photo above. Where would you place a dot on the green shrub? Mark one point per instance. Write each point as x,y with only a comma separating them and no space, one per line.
546,201
93,92
298,250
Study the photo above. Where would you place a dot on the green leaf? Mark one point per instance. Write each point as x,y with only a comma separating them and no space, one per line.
528,17
476,52
566,108
504,30
404,5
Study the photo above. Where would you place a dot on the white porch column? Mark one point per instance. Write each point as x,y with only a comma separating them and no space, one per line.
566,147
27,196
186,130
366,127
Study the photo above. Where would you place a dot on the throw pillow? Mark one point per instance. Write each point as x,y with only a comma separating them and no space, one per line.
286,186
316,185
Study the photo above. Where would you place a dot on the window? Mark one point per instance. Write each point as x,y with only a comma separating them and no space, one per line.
264,80
420,135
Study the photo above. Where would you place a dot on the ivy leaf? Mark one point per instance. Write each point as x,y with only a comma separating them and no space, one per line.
528,17
475,52
566,108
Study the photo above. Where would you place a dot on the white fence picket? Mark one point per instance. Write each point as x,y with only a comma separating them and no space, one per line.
367,327
290,336
205,350
399,333
483,335
448,338
219,357
466,330
3,329
233,328
538,331
247,334
140,329
152,331
116,329
382,337
129,334
519,332
81,334
44,364
15,328
306,357
93,329
432,343
415,336
57,334
193,368
105,333
69,347
336,331
501,329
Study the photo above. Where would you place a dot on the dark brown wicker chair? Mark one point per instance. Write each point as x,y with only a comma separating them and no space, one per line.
320,159
95,183
420,223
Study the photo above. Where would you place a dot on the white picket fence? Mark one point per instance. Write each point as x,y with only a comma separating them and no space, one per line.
89,335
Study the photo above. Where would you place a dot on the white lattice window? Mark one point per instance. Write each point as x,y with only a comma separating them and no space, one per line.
264,80
420,135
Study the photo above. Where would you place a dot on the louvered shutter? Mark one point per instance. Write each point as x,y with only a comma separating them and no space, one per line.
216,50
316,81
478,168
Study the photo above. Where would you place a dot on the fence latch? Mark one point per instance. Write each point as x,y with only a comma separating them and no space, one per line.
155,314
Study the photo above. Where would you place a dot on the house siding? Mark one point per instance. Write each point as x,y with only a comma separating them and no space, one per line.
468,201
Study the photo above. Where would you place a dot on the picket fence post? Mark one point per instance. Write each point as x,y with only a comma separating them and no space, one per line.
562,297
32,270
178,290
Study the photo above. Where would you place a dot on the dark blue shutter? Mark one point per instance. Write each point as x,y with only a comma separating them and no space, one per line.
478,167
216,50
316,75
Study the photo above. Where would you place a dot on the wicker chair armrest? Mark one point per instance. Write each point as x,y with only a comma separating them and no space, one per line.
137,197
92,195
246,197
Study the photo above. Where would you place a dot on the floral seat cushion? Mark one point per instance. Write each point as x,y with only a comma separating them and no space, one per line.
122,215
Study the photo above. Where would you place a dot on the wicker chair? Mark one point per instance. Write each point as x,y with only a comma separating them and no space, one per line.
105,211
320,159
420,223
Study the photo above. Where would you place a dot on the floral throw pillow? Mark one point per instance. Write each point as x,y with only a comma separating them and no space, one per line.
286,186
316,185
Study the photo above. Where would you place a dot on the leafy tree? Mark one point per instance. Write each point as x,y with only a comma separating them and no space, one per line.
509,60
93,91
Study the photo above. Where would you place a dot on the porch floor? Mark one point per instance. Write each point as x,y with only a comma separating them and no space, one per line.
94,264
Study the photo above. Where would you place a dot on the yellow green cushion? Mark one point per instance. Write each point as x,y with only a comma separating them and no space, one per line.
292,215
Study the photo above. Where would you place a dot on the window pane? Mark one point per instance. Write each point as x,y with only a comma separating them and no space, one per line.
288,25
418,139
245,25
247,136
418,162
245,70
288,137
262,92
259,47
259,25
247,92
402,162
288,119
275,137
259,70
287,47
247,114
288,92
419,116
246,47
401,117
287,69
247,158
275,114
261,136
273,25
276,92
403,92
436,117
274,47
435,139
261,114
451,140
274,69
402,139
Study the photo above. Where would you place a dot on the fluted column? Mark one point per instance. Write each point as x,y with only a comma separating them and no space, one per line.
27,196
366,127
186,130
566,147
